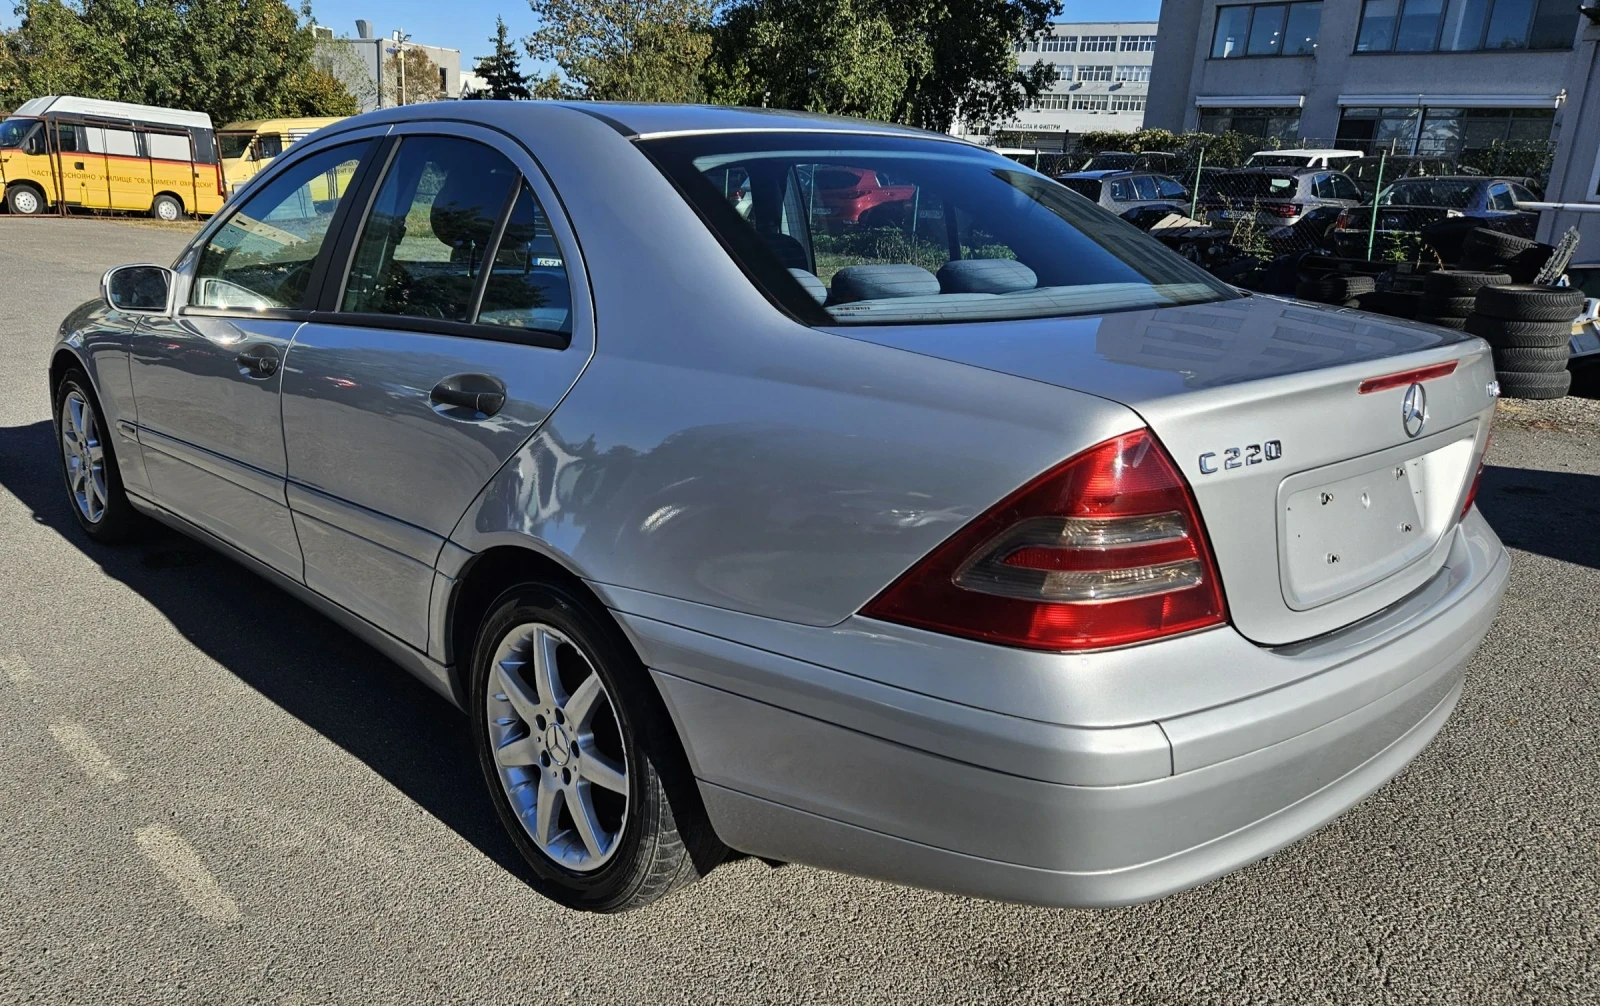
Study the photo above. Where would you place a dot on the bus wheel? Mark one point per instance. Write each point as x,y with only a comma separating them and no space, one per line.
166,208
24,201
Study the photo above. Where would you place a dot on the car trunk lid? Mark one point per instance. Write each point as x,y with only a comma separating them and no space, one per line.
1323,503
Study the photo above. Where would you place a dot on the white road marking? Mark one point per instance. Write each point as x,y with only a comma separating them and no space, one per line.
77,743
17,668
180,864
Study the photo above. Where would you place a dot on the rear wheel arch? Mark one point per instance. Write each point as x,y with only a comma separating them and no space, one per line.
155,203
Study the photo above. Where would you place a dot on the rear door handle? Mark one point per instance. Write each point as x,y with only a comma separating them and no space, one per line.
259,361
479,394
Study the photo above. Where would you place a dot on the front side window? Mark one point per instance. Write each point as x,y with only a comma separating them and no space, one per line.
1170,188
268,146
1448,193
261,258
17,132
233,145
1500,198
425,242
959,235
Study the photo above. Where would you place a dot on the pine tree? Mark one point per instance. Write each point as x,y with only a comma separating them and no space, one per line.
502,71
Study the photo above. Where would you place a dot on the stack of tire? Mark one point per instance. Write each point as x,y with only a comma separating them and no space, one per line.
1341,289
1528,328
1486,250
1449,295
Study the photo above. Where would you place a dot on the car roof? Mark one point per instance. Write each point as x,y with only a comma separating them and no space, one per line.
1278,169
1099,173
647,120
1313,152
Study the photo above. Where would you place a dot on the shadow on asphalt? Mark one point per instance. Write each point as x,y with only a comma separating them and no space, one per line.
311,668
1549,513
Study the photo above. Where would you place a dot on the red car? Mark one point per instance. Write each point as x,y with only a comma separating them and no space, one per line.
847,194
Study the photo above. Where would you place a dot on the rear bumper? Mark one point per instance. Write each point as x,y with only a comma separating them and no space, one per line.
804,764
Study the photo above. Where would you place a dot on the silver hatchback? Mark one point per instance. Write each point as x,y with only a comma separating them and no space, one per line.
731,522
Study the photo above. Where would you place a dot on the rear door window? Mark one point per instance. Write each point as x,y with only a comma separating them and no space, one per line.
1145,186
1122,190
261,258
426,240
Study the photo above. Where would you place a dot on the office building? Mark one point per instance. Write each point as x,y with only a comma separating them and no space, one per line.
364,64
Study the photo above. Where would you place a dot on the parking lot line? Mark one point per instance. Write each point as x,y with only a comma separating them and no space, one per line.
181,865
75,740
17,668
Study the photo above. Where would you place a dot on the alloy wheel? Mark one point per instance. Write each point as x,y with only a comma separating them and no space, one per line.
85,457
558,746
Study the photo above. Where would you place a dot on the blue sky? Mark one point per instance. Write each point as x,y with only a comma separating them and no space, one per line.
467,24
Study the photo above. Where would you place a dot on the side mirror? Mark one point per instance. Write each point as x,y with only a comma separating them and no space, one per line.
138,289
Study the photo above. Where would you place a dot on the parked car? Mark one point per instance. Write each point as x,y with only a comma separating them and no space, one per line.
851,195
1366,171
1147,160
1122,192
1025,513
1302,158
1586,329
1410,204
1278,197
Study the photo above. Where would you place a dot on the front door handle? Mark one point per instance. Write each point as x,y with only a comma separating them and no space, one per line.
260,361
478,394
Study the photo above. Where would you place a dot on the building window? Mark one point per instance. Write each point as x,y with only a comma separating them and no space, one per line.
1265,123
1442,131
1137,43
1094,73
1058,45
1465,25
1127,102
1137,72
1050,102
1091,102
1099,43
1270,29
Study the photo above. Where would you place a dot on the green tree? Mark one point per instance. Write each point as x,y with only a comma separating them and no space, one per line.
502,70
410,76
623,50
920,62
234,59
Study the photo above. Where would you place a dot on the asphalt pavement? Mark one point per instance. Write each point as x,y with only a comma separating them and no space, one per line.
210,794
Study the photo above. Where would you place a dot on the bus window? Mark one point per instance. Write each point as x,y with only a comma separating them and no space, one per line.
268,146
167,146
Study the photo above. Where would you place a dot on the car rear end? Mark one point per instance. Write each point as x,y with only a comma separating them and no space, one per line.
1237,597
1263,197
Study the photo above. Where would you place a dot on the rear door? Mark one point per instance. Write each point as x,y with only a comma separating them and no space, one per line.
459,322
207,380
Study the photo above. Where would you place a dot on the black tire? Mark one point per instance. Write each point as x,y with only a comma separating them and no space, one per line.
1520,334
25,201
1337,289
1456,323
118,521
1489,245
1531,361
1460,282
1444,307
665,840
1522,302
168,208
1395,305
1515,384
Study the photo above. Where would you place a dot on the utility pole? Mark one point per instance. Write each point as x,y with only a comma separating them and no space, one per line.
400,39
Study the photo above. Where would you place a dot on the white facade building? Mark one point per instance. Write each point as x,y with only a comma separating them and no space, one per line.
1102,78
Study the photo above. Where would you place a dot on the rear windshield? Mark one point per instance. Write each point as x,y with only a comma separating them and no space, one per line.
1252,186
1089,187
1420,192
942,232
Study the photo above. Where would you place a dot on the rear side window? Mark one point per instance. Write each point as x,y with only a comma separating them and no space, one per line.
261,258
959,234
528,286
1122,190
427,238
168,146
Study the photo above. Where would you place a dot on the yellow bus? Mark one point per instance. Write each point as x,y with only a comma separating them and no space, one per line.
247,147
62,151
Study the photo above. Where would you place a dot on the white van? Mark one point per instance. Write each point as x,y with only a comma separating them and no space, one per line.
1303,158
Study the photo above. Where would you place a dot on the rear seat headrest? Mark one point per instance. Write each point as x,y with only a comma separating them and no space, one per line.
986,275
814,286
879,282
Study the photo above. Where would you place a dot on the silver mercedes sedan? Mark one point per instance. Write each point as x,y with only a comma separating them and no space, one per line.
818,489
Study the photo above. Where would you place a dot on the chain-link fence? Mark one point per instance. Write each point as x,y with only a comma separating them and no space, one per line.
1250,209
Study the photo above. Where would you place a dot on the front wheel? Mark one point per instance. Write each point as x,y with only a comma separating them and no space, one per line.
582,764
89,463
24,201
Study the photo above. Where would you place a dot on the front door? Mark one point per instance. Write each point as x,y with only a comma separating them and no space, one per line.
450,342
207,381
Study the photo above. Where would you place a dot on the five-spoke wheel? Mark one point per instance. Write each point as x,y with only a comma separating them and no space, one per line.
84,455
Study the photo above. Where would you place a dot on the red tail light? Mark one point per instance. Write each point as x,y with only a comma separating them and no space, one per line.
1284,209
1105,549
1472,490
1343,223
